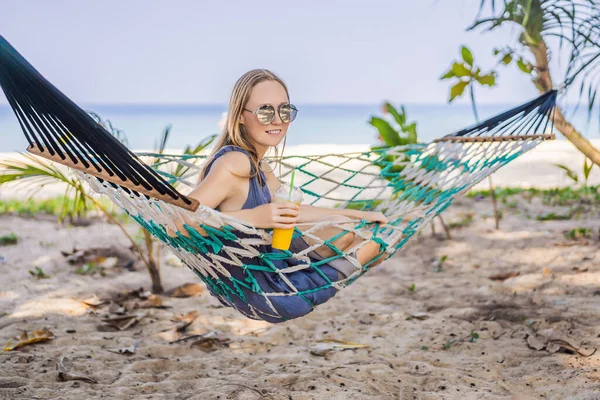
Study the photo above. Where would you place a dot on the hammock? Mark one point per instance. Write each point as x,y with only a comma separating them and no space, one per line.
409,184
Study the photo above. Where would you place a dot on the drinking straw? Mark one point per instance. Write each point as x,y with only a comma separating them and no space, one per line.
292,183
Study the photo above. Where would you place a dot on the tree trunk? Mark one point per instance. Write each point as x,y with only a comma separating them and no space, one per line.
494,203
152,264
155,277
543,81
446,229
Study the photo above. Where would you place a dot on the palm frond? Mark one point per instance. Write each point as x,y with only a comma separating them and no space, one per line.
575,23
15,170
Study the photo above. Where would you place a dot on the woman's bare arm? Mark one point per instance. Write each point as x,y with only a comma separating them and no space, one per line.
225,176
310,213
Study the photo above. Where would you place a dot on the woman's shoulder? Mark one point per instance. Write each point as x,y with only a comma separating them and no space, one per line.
235,162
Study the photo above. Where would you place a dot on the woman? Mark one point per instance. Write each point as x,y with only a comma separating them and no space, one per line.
237,182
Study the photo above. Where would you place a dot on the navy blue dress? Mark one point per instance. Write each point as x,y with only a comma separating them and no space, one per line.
242,293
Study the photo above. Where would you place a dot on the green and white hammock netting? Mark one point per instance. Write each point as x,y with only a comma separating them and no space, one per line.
409,184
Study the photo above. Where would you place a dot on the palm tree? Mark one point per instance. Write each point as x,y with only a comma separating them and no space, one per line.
576,23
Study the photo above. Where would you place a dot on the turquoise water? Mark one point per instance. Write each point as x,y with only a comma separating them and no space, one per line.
316,124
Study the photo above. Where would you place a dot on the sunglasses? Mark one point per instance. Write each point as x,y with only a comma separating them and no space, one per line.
266,113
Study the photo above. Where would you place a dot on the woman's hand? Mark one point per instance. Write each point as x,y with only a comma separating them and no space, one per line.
374,217
283,215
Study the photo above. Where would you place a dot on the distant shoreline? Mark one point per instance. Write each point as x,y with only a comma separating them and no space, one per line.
321,124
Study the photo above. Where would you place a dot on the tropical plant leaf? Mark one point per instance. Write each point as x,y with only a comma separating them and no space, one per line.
570,173
576,25
37,173
460,70
467,56
587,168
489,79
524,66
448,75
400,117
458,89
182,169
388,134
507,59
164,138
412,133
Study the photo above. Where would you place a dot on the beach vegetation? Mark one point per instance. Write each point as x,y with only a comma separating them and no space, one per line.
585,173
552,216
466,75
78,200
9,239
465,220
579,233
562,196
91,268
38,273
57,206
509,204
573,25
439,264
394,129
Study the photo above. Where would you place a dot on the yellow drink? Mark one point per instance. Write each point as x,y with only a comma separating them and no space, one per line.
282,238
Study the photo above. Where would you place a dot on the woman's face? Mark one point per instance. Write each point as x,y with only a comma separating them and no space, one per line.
265,136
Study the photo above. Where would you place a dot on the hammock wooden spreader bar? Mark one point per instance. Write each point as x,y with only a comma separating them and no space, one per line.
482,139
192,205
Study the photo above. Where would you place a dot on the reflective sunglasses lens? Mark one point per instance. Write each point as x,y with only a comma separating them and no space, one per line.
287,113
265,114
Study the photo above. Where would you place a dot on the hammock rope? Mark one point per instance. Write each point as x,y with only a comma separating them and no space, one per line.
409,184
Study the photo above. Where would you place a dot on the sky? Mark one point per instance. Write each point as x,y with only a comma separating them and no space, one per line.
193,51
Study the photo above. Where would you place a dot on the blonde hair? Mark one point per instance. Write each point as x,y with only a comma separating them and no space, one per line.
234,132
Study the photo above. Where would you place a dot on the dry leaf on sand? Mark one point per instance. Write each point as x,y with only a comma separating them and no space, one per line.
64,375
553,340
175,333
152,301
123,302
504,276
210,341
325,346
187,290
184,321
123,322
94,301
25,338
417,315
125,256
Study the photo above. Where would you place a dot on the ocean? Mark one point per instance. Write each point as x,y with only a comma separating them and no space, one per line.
315,124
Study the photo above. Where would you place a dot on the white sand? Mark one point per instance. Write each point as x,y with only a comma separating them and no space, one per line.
557,289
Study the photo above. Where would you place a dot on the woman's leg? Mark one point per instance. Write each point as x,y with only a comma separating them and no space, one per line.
346,242
328,232
367,252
